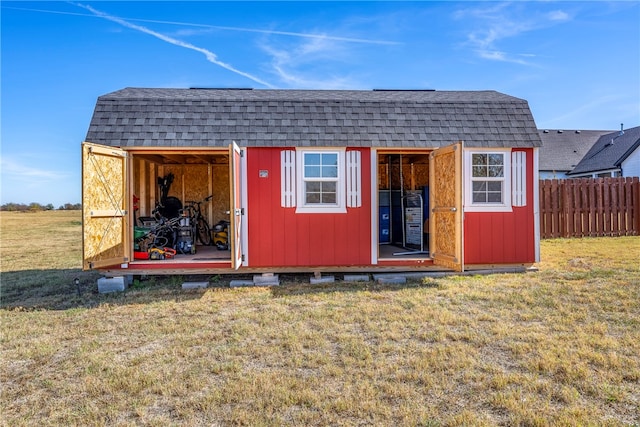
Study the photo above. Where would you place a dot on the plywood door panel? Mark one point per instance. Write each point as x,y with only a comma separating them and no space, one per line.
235,183
105,202
445,165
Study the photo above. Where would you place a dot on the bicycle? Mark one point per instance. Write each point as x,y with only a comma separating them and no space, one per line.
203,230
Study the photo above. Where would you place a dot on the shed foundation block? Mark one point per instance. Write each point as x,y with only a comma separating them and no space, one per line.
268,279
356,277
398,280
195,285
111,284
240,283
324,279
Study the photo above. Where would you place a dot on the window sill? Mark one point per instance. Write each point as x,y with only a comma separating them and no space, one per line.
320,210
488,208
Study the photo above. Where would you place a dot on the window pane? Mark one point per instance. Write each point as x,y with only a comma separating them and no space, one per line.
329,198
312,159
494,197
495,186
496,171
478,159
496,159
479,197
329,172
313,198
312,171
479,172
313,186
479,186
328,187
330,159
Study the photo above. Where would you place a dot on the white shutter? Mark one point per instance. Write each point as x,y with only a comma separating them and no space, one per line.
288,178
354,181
519,178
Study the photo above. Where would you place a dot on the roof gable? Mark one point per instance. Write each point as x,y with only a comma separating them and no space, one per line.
135,117
609,151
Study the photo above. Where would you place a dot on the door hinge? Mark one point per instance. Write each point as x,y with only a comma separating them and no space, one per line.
242,258
241,211
241,153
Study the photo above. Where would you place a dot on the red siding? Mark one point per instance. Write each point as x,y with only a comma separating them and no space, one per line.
502,237
278,237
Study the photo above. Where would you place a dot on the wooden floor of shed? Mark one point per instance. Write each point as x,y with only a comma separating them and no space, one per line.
398,253
203,254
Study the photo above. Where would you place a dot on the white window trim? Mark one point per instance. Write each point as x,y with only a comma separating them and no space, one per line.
469,206
341,205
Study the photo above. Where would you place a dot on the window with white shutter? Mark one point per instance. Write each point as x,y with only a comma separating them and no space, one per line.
321,180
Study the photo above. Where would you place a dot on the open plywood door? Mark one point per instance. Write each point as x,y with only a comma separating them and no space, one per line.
445,223
235,178
105,228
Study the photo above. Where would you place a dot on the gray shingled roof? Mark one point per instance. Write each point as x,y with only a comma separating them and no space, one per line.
562,150
135,117
609,152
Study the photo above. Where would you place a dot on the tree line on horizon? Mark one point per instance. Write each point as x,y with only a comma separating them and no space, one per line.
37,207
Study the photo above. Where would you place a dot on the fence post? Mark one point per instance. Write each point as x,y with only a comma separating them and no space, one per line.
615,206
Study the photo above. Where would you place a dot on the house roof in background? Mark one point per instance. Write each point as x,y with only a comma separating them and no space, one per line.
562,150
609,151
141,117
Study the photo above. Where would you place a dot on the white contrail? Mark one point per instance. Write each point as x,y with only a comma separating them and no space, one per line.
219,27
211,57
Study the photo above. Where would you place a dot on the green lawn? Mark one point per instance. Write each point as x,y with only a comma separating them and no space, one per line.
557,347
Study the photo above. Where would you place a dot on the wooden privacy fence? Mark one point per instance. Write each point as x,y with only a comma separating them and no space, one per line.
586,207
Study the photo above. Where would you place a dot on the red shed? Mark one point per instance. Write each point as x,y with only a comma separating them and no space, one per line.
314,180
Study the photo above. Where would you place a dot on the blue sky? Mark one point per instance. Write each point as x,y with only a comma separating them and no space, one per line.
576,63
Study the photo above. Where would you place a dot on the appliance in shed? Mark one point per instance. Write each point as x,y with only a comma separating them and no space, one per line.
403,203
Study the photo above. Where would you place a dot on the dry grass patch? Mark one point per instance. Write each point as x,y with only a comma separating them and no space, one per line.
556,347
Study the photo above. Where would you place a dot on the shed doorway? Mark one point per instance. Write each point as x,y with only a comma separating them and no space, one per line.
183,177
403,205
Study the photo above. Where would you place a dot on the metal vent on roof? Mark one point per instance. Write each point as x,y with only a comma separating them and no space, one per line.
221,88
404,90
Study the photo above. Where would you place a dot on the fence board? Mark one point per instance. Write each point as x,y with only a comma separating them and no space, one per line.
589,207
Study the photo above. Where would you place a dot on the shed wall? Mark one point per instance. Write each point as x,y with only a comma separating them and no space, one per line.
281,237
503,237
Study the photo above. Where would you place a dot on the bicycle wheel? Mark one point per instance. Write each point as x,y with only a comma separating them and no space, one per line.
204,232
